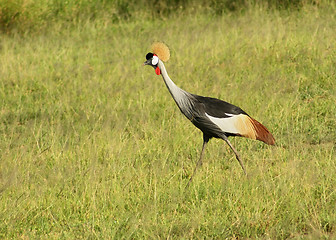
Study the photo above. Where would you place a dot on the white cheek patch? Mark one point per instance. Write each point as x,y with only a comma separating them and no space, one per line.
155,60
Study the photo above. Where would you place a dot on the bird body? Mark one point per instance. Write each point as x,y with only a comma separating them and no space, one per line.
214,117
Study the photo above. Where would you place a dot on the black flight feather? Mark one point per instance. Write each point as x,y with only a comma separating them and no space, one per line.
218,108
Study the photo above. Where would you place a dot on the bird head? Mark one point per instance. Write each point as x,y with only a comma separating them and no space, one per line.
160,52
153,60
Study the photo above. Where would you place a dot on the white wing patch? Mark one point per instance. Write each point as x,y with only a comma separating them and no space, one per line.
225,124
236,124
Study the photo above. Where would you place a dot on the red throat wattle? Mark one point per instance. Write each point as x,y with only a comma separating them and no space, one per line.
157,71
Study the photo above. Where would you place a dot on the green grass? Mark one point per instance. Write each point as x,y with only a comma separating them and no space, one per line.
93,146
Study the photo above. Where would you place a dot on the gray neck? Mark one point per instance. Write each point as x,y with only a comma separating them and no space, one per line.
181,97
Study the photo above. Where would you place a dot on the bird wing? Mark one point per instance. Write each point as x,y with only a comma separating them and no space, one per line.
236,124
216,117
218,108
233,120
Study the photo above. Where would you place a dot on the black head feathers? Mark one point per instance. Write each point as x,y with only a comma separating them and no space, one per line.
149,55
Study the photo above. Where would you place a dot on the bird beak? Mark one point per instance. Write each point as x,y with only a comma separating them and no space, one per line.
148,62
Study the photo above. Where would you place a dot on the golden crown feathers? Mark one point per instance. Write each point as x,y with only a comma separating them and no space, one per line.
161,50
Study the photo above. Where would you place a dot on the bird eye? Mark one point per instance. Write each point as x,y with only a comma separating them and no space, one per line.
155,60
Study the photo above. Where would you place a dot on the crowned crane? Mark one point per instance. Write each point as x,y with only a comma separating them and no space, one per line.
214,117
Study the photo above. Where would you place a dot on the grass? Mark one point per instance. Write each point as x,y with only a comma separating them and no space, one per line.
93,146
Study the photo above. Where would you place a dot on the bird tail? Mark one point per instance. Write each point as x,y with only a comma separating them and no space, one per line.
251,128
261,133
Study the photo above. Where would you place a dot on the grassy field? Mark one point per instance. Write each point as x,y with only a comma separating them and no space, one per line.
92,146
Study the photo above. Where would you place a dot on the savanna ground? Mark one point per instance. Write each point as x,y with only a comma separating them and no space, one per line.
93,146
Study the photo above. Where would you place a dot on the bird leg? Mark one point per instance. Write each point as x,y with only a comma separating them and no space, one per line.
199,163
235,152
